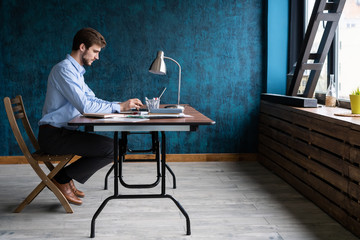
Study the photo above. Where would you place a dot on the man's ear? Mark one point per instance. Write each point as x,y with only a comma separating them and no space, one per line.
82,47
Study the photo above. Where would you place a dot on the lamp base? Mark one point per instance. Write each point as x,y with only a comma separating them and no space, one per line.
174,106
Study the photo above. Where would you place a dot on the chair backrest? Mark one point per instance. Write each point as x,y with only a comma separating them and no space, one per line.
15,110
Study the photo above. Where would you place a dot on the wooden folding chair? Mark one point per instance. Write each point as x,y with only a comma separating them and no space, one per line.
15,110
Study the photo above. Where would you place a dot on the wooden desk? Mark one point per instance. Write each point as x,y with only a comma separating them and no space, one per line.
152,125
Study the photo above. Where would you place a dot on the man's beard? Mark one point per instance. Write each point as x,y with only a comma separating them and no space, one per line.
86,62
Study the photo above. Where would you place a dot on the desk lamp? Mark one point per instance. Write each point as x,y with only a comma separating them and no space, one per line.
158,67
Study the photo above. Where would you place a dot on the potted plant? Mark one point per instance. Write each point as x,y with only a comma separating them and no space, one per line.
355,101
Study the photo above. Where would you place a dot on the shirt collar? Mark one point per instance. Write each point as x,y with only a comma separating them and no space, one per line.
78,67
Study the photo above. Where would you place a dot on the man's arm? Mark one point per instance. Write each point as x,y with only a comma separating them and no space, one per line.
79,95
77,92
124,106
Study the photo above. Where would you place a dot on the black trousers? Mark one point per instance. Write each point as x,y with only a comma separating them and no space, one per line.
96,151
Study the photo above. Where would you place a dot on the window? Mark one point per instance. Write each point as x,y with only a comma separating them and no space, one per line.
346,55
348,49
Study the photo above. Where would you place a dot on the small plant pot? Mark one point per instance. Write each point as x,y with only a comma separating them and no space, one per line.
355,104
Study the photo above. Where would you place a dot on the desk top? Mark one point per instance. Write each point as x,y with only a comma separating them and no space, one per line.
196,120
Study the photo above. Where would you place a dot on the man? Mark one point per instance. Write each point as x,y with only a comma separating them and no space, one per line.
68,96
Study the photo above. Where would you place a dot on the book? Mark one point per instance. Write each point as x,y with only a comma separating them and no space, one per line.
166,110
164,115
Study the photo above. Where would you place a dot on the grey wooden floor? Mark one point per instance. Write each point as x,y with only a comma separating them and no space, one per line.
225,200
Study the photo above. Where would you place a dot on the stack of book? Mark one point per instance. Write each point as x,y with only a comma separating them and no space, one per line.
165,112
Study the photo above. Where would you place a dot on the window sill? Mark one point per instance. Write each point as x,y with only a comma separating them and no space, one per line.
342,103
327,114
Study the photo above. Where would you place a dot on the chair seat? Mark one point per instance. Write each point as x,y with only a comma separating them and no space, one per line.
44,157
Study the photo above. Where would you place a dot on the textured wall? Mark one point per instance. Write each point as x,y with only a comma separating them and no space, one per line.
219,44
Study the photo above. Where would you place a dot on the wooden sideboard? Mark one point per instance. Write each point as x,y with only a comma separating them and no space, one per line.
317,153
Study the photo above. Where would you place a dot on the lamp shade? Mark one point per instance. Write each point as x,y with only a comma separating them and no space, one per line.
158,66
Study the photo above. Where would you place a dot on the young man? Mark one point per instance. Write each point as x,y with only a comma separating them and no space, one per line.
68,96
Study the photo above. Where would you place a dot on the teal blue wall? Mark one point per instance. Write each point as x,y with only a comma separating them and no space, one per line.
277,41
219,44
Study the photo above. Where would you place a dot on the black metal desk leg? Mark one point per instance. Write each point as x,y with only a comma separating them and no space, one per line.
116,185
155,148
163,163
121,150
107,176
163,169
172,174
188,228
92,234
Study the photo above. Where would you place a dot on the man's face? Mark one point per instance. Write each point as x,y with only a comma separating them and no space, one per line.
90,55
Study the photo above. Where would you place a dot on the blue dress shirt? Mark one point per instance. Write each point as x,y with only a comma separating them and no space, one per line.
68,95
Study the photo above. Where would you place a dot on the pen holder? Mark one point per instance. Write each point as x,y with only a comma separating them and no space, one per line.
152,103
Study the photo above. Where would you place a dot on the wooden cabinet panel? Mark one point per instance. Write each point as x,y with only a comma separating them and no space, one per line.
317,153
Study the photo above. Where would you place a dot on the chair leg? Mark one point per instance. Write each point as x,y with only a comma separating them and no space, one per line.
30,197
46,181
49,165
64,202
55,190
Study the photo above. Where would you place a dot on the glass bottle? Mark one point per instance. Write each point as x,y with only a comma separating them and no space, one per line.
330,100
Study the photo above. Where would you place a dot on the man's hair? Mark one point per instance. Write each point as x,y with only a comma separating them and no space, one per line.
89,37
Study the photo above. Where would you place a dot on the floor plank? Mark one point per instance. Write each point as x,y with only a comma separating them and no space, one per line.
225,200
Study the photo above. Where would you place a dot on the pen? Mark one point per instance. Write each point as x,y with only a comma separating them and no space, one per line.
162,92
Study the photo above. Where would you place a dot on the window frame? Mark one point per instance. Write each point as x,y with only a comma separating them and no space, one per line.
332,61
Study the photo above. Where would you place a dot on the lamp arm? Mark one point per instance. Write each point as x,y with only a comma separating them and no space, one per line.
179,77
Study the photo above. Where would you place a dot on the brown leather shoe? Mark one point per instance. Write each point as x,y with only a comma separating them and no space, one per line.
75,190
68,193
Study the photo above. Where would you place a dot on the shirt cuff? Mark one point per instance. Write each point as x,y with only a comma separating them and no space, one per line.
116,108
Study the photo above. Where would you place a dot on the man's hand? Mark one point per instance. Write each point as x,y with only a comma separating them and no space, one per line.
131,103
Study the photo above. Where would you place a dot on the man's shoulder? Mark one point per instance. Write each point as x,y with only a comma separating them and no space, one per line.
64,66
61,71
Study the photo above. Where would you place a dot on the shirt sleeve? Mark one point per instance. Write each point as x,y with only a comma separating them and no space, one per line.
74,89
92,98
